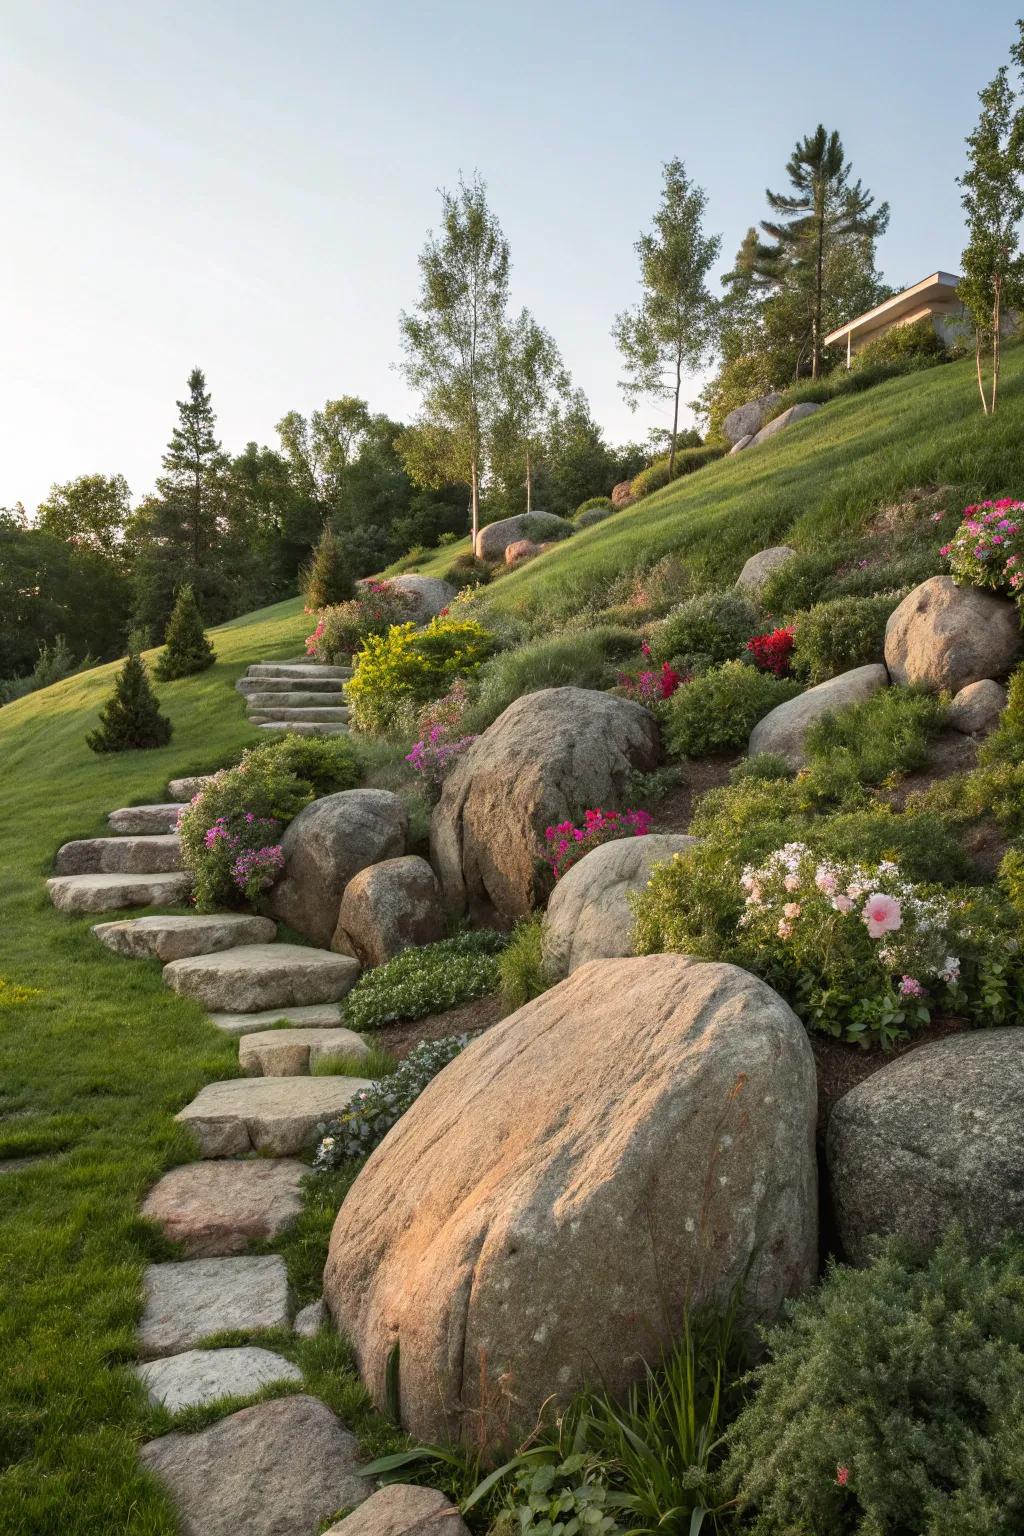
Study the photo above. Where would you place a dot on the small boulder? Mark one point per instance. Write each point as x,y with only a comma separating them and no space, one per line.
187,789
976,709
403,1509
589,916
622,494
934,1138
389,907
328,843
492,541
750,417
743,442
783,730
521,549
638,1139
760,566
785,419
943,636
427,595
310,1319
551,755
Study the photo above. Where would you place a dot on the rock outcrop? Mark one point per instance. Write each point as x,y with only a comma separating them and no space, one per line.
492,541
944,637
785,419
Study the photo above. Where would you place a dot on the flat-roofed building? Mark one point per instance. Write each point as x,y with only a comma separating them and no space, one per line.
934,298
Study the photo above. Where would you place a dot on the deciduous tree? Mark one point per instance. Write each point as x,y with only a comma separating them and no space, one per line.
531,382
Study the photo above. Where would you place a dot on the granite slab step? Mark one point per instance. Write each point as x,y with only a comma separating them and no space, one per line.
295,1052
202,1376
217,1209
174,938
278,1116
305,727
255,977
296,669
328,713
187,789
155,855
284,703
314,1016
190,1301
284,688
142,820
112,893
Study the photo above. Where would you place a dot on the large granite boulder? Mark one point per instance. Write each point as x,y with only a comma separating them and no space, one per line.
784,729
748,419
975,710
784,419
943,636
325,846
389,907
934,1138
551,755
637,1140
426,595
760,566
589,916
492,541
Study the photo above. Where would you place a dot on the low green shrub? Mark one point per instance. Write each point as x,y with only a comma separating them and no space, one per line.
886,734
594,504
1006,743
687,460
547,529
891,1401
594,515
581,659
408,667
717,711
372,1112
713,626
427,980
840,634
520,966
910,346
467,571
328,764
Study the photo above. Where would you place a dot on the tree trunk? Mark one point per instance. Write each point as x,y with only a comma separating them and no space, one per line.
675,417
996,317
818,279
977,362
529,484
475,502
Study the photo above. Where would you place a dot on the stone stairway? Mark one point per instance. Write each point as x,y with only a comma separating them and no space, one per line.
302,696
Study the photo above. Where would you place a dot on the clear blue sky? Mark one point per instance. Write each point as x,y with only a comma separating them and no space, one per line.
247,185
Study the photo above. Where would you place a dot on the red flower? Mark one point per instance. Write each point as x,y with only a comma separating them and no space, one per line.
842,1476
771,652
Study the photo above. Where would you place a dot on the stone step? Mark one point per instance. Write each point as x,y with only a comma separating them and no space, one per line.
304,727
295,1052
175,938
146,820
256,977
187,789
284,703
216,1209
190,1301
315,1016
278,1116
302,669
112,893
159,855
314,714
284,687
202,1376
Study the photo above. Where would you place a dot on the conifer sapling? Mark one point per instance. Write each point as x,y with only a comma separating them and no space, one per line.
186,648
327,578
131,717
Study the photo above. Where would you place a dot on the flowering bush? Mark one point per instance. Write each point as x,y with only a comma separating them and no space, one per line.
433,756
427,980
771,652
372,1112
650,686
987,550
567,843
448,712
407,667
341,629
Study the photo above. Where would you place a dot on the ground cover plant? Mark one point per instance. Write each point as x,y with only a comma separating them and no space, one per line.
426,980
717,711
575,658
372,1112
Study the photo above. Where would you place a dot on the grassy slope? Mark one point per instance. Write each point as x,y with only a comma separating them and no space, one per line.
91,1072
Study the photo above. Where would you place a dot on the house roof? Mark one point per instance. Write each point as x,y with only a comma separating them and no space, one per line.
940,285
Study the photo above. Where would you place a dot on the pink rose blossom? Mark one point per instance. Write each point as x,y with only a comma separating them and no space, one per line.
882,914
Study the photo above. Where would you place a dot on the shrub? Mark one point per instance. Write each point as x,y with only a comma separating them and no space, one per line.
913,346
1006,743
373,1111
409,667
567,843
435,754
840,634
130,720
771,652
595,515
328,764
885,734
520,966
718,711
186,648
546,529
341,629
714,625
1011,878
652,687
467,571
890,1401
230,833
987,550
582,659
594,504
53,663
656,475
327,579
427,980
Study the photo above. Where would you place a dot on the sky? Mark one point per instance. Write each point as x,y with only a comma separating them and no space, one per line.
247,186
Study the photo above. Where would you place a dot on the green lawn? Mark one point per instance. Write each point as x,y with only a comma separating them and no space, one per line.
92,1069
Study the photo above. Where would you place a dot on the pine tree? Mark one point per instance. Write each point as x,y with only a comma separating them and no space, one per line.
131,717
186,648
327,578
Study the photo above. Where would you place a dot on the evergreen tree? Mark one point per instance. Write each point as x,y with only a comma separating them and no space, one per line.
131,718
327,578
186,648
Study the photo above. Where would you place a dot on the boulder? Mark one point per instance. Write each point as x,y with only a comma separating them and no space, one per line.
327,843
187,789
261,977
786,419
783,730
296,1052
281,1468
589,916
492,541
760,566
749,418
622,494
934,1138
976,709
193,1300
638,1139
521,549
202,1376
217,1209
427,595
403,1509
550,755
741,443
389,907
943,636
173,938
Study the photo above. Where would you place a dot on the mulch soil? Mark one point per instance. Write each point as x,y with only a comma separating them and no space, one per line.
469,1019
674,812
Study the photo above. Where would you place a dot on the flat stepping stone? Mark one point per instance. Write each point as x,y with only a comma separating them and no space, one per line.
217,1209
291,698
174,938
276,1115
187,789
202,1376
312,712
189,1301
295,1052
112,893
255,977
304,727
282,1468
141,820
315,1016
159,855
403,1509
303,670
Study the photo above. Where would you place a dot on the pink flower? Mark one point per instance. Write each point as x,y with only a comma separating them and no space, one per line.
791,909
910,987
784,929
842,1476
882,914
842,904
825,880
